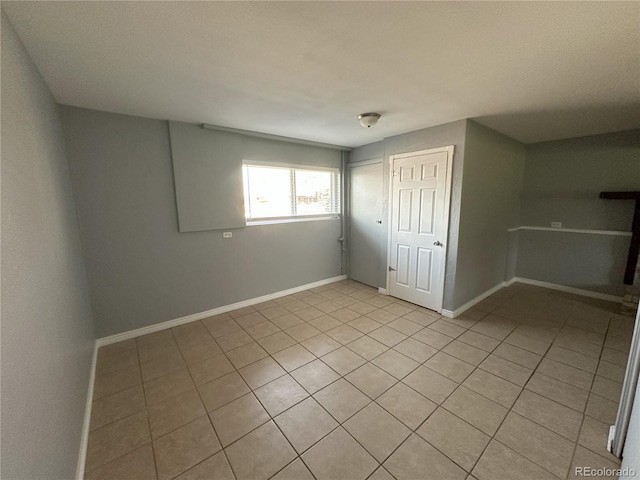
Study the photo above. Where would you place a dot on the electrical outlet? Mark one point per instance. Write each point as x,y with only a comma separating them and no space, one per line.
556,224
227,234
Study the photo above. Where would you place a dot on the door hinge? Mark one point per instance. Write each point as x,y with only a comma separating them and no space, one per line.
391,269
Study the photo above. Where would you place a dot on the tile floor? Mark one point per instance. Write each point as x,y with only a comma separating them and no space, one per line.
340,382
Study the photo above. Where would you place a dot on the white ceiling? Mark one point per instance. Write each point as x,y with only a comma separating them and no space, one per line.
532,70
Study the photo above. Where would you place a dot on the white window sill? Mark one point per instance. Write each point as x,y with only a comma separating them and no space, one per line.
272,221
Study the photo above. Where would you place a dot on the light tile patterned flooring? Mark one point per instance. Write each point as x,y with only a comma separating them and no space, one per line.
340,382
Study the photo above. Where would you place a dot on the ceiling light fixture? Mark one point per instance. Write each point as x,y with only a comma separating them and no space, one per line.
368,119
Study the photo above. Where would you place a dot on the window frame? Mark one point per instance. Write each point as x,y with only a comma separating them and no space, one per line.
337,188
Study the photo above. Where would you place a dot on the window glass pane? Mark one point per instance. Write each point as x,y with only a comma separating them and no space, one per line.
267,192
314,192
281,191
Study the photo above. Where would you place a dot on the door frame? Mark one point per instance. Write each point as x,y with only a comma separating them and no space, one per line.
619,430
350,166
447,206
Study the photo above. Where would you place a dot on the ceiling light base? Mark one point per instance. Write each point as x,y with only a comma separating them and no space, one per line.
369,119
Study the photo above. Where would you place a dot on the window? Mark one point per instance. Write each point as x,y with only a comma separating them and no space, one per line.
280,192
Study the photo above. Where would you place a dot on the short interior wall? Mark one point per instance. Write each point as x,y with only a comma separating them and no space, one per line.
501,185
492,182
562,183
487,179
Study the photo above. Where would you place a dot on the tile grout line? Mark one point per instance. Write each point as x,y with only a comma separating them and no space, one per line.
509,410
146,411
583,413
341,424
441,405
319,440
466,328
119,419
271,418
575,448
491,437
341,376
197,391
195,386
129,416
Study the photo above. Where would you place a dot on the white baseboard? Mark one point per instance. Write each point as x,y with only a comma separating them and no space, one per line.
84,439
82,458
564,288
528,281
471,303
508,283
227,308
119,337
572,230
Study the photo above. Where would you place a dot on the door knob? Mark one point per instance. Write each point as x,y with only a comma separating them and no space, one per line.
437,243
379,222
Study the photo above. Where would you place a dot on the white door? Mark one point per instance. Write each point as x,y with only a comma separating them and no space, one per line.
365,224
420,191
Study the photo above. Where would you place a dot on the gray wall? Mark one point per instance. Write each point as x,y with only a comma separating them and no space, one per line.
563,179
562,183
141,270
207,168
493,176
488,173
442,135
367,152
47,332
588,262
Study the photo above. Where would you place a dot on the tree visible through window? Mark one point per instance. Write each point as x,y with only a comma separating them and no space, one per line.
277,192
